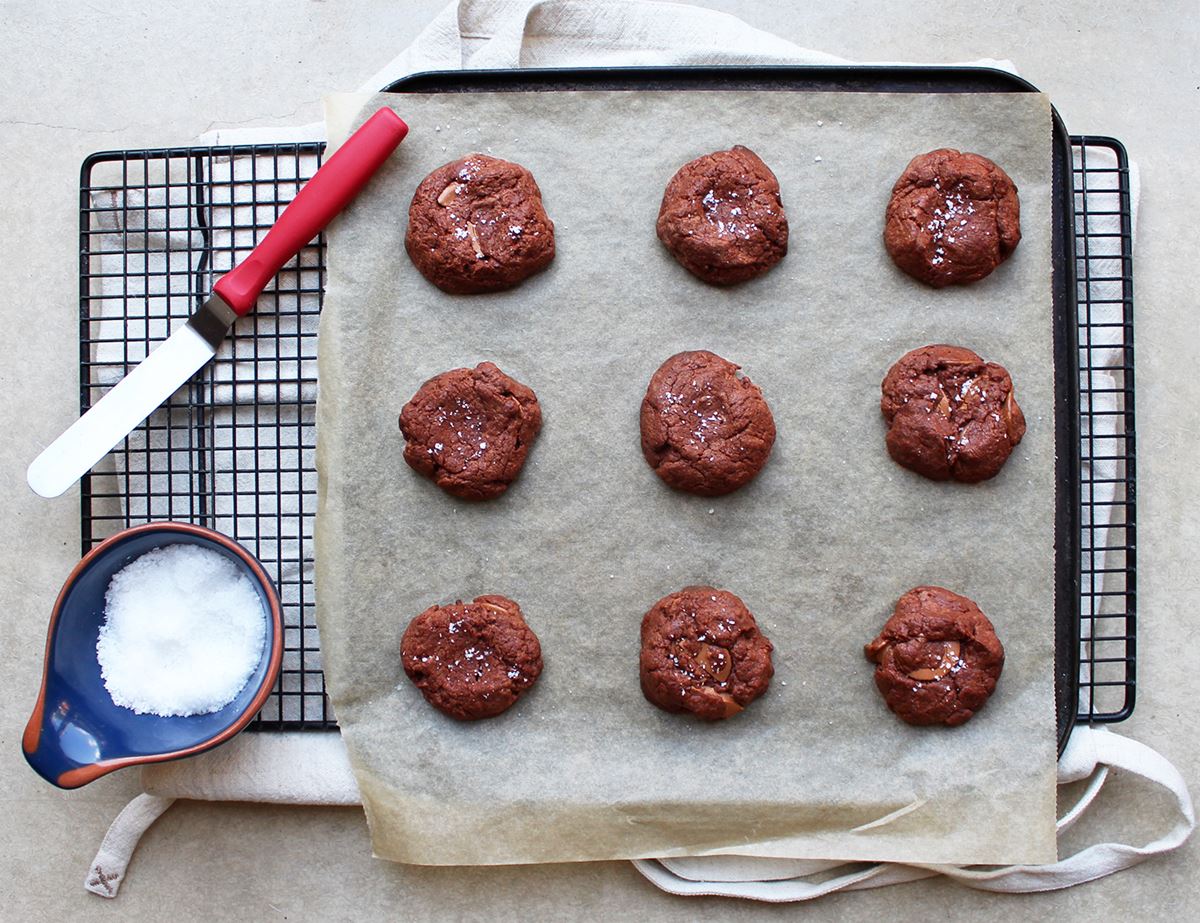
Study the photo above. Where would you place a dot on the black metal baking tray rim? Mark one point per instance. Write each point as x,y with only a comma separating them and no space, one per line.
861,78
890,79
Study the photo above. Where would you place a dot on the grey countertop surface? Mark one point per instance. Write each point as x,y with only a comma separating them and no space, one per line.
85,77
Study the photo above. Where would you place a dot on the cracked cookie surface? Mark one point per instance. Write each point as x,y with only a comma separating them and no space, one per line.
938,657
722,217
471,660
950,414
705,429
952,219
469,430
702,652
477,224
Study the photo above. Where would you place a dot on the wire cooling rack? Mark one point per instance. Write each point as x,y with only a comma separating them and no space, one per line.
235,449
1108,585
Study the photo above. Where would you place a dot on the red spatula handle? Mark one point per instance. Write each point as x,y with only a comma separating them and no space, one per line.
327,193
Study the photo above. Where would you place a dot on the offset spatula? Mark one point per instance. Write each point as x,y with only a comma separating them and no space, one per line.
186,350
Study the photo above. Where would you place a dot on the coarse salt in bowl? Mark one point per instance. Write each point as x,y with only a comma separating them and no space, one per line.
165,641
183,631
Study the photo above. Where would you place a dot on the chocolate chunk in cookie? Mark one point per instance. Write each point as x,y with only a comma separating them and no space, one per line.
471,660
938,657
722,218
952,219
478,225
705,429
469,430
950,414
702,653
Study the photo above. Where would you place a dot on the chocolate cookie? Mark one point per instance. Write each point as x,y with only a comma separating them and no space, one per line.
471,660
938,657
478,225
952,219
470,430
950,414
722,217
702,652
705,429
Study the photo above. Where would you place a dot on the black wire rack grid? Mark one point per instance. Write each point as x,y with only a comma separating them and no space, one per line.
234,450
1108,585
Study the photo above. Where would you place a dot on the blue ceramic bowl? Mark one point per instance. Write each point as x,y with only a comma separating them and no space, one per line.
77,733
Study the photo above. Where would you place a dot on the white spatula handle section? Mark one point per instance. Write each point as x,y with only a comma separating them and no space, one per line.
327,193
114,416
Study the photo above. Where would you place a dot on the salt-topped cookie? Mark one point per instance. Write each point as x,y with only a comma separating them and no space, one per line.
950,415
952,219
471,660
722,217
477,224
702,652
705,429
938,657
469,430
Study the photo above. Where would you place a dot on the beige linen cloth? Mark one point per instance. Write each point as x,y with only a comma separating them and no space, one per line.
312,768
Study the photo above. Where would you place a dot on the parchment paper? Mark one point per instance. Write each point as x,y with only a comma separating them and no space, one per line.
819,547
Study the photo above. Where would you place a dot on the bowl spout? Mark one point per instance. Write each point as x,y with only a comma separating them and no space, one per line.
63,749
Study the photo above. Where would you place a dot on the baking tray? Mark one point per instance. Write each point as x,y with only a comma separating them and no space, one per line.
247,468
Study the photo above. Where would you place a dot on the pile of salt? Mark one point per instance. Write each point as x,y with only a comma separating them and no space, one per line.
184,629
